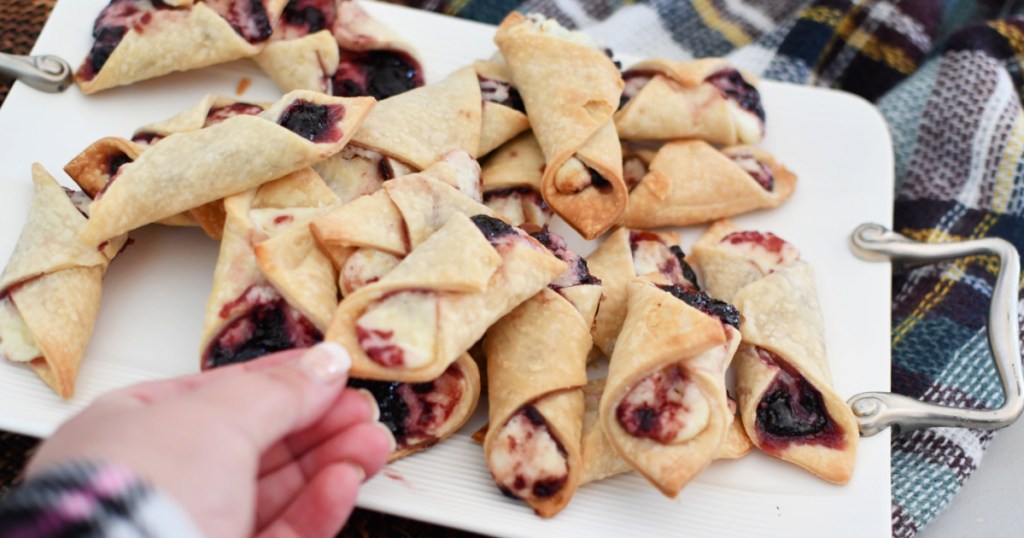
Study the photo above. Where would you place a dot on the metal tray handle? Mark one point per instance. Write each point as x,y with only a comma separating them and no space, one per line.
45,73
876,411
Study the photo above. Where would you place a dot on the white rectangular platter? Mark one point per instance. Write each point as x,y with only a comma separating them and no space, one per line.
155,292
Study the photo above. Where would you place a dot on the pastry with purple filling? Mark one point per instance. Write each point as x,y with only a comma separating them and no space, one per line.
141,39
440,299
512,179
536,369
193,168
783,386
335,47
504,115
624,255
705,99
370,235
690,182
664,409
570,89
272,288
95,165
600,460
50,289
420,415
407,133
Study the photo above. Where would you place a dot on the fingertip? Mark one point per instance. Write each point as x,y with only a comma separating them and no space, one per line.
326,362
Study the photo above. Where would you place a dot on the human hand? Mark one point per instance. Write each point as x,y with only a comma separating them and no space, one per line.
273,447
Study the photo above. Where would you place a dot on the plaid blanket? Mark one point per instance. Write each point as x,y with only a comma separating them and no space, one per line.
946,76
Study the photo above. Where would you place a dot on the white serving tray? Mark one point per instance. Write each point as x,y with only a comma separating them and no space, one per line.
155,293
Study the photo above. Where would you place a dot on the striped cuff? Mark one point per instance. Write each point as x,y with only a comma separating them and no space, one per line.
90,499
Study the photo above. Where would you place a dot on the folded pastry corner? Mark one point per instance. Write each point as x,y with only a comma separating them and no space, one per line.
415,321
691,182
420,415
570,89
536,369
335,47
194,168
272,288
783,387
504,114
50,289
664,409
142,39
511,178
705,99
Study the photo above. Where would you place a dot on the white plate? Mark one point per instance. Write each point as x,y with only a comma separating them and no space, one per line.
155,292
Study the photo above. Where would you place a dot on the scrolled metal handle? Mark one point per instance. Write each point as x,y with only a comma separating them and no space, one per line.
876,411
46,73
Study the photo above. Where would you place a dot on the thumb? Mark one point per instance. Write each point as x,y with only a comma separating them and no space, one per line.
268,404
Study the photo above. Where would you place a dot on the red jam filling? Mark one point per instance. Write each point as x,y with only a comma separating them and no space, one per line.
265,323
314,122
415,412
671,260
219,114
766,240
792,411
539,488
304,17
653,408
377,73
248,18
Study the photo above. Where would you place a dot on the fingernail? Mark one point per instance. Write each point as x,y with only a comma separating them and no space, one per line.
326,362
391,437
359,470
372,402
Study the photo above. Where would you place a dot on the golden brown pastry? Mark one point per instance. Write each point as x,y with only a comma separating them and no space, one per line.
705,99
370,235
50,289
512,180
415,321
536,367
664,409
624,255
691,182
141,39
570,89
783,386
420,415
272,288
193,168
335,47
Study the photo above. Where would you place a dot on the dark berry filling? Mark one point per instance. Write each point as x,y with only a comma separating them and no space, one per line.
305,17
146,138
652,254
377,73
110,28
314,122
219,114
732,84
597,180
792,410
577,272
722,310
265,323
529,442
656,407
501,93
414,412
247,17
492,228
758,170
114,163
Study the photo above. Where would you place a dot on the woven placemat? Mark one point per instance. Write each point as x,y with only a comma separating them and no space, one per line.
20,24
